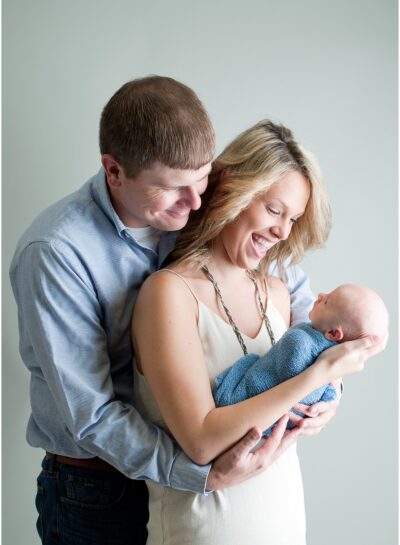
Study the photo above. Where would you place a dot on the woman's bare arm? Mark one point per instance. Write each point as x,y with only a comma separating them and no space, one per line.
169,350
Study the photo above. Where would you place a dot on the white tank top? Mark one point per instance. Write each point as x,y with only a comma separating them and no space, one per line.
265,510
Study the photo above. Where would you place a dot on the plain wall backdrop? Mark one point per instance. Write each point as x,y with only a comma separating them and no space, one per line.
326,69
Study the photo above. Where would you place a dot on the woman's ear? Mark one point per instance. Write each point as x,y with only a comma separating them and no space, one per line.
334,334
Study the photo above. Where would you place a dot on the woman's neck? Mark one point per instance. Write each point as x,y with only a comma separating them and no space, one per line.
222,267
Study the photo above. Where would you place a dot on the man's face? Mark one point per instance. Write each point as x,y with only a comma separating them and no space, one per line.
159,196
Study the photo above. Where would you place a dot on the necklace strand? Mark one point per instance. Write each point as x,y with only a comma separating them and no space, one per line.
228,314
250,274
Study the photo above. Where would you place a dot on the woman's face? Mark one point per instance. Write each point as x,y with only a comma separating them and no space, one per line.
266,221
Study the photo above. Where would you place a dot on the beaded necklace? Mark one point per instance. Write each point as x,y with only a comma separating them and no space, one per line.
267,323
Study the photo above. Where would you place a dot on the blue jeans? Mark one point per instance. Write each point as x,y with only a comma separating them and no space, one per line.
78,506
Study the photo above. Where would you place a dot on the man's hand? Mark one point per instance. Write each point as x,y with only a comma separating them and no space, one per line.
319,414
244,461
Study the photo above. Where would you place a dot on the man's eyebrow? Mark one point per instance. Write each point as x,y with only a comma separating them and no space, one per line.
205,175
161,183
202,178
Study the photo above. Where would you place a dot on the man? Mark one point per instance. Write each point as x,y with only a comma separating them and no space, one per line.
75,275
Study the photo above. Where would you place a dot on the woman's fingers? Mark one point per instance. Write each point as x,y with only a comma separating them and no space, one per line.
313,426
378,345
350,356
317,416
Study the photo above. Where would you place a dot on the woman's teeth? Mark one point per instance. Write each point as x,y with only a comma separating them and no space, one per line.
261,241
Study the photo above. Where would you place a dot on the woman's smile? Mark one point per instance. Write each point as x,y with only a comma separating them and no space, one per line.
260,245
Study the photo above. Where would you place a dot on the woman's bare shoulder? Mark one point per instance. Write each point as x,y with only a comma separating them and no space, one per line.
165,284
167,289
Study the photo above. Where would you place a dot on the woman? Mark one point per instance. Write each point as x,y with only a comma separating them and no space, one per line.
265,202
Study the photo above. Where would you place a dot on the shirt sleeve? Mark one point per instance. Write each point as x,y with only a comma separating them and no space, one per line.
301,295
65,346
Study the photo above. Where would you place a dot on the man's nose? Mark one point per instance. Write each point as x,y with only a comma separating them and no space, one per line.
193,197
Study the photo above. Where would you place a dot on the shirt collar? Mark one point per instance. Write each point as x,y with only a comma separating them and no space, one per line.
102,197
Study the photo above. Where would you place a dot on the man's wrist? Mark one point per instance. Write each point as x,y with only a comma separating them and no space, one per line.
211,483
186,475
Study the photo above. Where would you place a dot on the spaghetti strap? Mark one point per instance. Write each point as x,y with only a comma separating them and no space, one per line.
266,287
183,280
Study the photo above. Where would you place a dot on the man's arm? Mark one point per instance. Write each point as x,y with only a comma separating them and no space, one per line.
64,345
301,295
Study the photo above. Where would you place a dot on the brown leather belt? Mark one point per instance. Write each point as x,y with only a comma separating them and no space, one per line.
96,464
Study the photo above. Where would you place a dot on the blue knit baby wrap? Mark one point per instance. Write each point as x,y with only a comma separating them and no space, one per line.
296,350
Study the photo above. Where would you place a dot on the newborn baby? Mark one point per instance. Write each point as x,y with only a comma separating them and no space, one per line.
349,312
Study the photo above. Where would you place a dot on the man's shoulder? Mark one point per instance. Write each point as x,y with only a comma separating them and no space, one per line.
69,218
77,222
277,288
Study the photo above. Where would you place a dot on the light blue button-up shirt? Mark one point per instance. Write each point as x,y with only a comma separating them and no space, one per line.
75,275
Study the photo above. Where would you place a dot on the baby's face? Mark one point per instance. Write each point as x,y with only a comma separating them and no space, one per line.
327,310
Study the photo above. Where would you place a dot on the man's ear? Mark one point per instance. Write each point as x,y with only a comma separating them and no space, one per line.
113,170
334,334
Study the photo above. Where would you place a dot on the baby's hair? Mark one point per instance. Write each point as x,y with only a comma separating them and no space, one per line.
362,312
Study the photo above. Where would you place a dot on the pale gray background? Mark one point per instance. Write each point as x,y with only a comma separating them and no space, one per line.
327,69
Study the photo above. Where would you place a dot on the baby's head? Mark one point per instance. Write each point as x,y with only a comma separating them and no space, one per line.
349,312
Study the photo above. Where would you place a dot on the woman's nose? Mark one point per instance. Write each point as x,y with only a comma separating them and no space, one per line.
282,230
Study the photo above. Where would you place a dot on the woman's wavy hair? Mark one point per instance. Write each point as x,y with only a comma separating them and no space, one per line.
248,167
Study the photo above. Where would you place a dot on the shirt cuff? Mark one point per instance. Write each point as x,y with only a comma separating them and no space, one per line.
186,475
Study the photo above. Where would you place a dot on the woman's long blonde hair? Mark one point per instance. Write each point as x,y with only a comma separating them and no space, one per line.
247,168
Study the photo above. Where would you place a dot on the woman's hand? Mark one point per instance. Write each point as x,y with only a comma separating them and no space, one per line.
318,415
353,355
349,357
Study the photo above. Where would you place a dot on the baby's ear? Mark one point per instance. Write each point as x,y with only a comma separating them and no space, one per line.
334,334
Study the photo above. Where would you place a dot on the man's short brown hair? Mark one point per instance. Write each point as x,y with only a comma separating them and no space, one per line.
156,119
